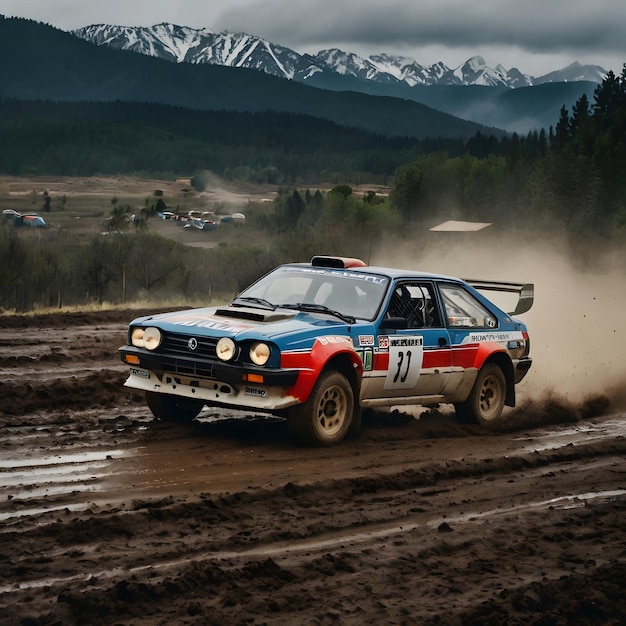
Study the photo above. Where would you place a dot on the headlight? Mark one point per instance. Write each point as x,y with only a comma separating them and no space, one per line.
259,353
149,338
136,338
225,349
152,338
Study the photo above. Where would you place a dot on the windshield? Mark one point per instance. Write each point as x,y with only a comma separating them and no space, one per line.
347,292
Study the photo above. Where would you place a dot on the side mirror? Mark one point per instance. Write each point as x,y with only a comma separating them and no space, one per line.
394,323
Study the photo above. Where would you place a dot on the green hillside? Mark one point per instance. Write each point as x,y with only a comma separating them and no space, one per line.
49,64
89,138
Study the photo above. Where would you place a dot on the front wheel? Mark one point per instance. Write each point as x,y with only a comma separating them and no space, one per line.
486,400
173,408
326,417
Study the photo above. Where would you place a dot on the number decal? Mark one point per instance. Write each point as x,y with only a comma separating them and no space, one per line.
405,362
400,362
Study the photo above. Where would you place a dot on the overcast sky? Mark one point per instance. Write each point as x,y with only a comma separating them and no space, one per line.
536,36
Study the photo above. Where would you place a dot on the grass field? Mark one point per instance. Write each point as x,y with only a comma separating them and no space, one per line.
79,207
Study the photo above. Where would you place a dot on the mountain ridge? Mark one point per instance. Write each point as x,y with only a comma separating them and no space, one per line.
184,44
48,63
51,64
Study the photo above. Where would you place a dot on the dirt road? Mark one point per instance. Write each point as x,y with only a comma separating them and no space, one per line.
109,517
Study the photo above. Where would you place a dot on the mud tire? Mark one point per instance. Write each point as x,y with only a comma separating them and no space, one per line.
486,400
326,417
173,408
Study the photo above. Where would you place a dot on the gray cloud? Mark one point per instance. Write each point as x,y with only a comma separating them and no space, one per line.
531,25
536,36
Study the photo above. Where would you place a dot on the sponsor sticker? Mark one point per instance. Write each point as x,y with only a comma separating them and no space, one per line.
207,321
366,340
334,339
255,391
405,342
495,336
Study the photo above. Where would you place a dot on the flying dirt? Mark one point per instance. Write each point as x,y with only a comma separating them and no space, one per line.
110,517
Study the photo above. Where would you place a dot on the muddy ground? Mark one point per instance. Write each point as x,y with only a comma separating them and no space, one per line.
109,517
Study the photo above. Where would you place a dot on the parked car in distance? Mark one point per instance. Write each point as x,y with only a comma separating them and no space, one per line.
17,219
34,221
319,342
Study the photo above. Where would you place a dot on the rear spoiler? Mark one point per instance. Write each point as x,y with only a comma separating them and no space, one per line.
525,291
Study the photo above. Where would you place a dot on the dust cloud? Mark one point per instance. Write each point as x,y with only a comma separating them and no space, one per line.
224,197
576,322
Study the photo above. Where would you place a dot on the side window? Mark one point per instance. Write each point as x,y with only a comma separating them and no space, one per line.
463,310
416,303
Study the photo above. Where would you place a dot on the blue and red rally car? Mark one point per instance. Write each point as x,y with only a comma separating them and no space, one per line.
318,342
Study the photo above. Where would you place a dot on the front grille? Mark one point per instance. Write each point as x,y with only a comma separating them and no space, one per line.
186,367
177,357
178,345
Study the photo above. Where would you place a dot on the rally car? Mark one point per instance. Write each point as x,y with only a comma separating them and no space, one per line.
319,342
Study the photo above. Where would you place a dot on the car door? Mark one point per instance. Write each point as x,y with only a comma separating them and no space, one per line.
411,355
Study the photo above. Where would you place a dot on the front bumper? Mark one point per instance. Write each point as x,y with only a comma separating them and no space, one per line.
214,393
231,373
235,385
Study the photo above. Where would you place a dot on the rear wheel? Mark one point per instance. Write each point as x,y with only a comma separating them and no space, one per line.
173,408
486,400
326,417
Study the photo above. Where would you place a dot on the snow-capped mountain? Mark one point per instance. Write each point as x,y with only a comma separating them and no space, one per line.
573,73
475,72
406,69
183,44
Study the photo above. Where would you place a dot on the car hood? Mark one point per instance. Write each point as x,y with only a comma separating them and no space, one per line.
242,322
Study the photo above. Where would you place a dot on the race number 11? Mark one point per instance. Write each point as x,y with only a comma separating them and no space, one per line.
405,362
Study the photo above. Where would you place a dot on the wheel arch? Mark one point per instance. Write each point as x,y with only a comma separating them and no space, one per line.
350,367
328,353
503,361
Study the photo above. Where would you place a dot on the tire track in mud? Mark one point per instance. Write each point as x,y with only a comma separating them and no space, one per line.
324,526
110,517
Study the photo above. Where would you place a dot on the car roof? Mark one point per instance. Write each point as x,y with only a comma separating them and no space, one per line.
407,273
390,272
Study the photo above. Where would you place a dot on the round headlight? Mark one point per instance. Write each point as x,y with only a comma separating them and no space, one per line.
152,338
259,353
225,349
136,338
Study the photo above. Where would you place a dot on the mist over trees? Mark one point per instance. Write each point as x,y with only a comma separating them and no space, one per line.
569,177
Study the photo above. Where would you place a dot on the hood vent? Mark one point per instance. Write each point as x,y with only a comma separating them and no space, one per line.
254,315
